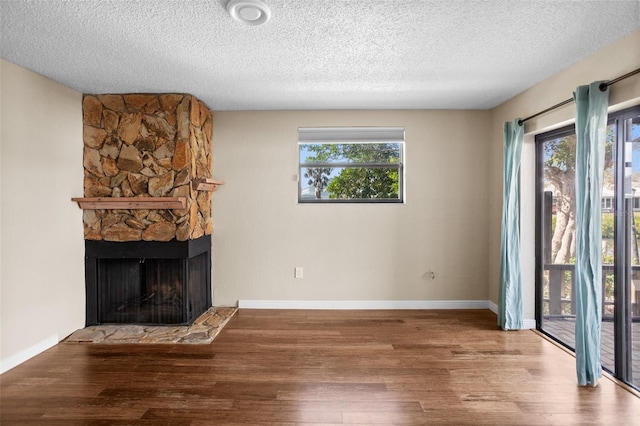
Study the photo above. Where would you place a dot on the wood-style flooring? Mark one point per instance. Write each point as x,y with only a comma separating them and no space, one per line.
319,367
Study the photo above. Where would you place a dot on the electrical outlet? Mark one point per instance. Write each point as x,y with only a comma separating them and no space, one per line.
297,272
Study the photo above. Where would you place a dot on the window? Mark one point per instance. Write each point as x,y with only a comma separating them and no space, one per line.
351,164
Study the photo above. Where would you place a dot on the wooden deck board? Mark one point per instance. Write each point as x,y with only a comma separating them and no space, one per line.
564,330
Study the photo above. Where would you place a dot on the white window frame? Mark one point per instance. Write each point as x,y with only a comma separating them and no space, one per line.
352,135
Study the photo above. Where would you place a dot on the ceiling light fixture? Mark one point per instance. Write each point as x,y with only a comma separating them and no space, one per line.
249,12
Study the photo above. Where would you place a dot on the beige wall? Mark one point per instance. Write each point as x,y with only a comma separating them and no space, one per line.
350,251
42,248
608,63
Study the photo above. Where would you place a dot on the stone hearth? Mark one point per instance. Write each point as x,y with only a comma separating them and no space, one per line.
202,331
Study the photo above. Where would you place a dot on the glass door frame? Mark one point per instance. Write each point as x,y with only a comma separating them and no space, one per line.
543,221
623,359
624,225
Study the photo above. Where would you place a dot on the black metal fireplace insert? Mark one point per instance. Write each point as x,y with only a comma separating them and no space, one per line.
147,282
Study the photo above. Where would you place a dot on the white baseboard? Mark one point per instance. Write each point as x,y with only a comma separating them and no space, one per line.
377,304
26,354
527,323
363,304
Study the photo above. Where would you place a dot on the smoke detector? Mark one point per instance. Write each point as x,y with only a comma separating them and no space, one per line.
249,12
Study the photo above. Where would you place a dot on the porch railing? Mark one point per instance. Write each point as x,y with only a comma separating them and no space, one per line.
559,294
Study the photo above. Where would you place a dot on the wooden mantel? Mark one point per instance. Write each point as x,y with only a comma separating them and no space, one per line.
112,203
206,184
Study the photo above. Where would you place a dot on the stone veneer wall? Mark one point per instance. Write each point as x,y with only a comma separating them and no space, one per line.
147,145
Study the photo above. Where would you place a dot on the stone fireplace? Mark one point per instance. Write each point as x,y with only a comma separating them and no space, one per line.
147,207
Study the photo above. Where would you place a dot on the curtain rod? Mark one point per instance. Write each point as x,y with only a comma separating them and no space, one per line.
603,87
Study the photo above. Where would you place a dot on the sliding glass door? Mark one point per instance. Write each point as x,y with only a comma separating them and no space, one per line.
627,290
555,291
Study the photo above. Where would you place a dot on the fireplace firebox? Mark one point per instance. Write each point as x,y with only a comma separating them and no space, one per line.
147,282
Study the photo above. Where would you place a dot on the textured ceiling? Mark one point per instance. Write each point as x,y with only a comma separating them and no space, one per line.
312,54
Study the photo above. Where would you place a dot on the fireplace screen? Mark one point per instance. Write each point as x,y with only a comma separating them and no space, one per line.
148,290
153,283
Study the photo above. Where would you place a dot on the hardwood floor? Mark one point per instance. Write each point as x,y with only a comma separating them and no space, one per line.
319,367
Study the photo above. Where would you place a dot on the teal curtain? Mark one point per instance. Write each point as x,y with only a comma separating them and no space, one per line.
591,129
510,297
